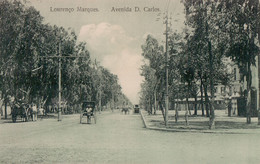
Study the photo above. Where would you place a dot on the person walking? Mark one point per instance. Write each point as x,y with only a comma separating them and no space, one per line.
35,112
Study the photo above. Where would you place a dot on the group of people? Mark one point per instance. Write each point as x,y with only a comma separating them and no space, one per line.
26,111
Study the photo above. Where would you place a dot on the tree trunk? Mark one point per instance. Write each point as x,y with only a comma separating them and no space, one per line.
248,94
99,104
212,115
1,109
258,22
187,106
206,100
201,97
5,109
155,103
176,112
258,116
149,106
258,57
157,106
189,110
161,108
212,110
160,98
113,102
195,105
186,113
172,104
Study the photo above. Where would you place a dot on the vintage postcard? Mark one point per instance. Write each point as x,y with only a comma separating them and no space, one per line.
129,81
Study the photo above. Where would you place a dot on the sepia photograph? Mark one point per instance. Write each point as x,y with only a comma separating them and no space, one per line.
129,81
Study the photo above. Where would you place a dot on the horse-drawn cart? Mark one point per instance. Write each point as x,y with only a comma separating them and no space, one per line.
20,109
88,110
136,108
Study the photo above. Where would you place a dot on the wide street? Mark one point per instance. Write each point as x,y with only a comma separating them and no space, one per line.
119,138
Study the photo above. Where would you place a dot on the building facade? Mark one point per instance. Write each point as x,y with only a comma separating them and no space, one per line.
233,92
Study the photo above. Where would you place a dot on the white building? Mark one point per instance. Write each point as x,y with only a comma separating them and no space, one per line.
234,90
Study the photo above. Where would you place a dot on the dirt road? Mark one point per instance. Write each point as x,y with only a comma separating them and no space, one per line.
119,138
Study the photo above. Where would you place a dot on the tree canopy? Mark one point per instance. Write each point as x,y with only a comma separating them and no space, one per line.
29,66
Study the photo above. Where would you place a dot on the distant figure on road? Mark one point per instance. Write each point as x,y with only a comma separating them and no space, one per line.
229,107
126,110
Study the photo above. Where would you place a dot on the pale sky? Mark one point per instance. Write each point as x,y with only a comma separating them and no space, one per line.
114,38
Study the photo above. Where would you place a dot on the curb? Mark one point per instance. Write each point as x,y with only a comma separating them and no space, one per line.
184,130
144,121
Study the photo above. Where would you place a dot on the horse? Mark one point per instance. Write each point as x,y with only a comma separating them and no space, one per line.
21,110
126,110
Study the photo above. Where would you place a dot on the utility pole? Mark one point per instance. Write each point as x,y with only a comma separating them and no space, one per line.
59,56
59,108
166,70
99,92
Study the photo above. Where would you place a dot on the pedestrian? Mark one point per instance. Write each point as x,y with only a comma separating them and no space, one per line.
35,112
229,107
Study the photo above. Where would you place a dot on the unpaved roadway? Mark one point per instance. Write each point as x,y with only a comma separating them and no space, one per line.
119,138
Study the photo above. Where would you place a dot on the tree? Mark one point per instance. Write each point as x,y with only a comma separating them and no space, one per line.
176,85
154,68
149,87
206,41
21,28
28,60
239,26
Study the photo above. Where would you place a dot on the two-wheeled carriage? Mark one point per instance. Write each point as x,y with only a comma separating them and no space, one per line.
136,108
88,110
